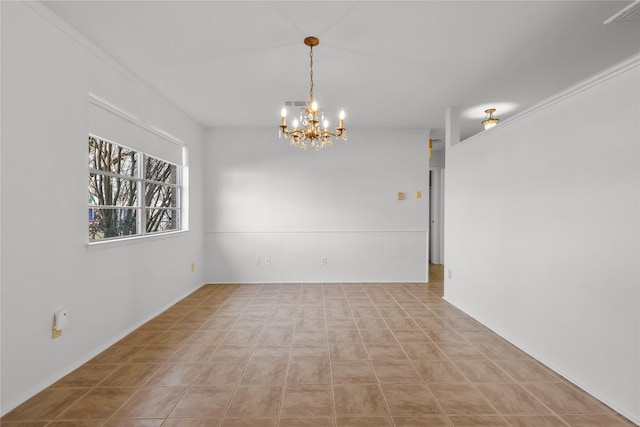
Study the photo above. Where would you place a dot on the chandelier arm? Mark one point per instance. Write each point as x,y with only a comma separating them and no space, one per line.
295,132
339,132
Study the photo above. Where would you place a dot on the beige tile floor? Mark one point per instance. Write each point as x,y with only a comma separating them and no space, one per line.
326,355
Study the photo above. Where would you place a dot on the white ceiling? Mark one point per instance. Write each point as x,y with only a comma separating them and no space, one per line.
388,63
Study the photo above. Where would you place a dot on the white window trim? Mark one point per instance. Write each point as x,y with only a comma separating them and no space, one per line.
183,176
142,207
132,240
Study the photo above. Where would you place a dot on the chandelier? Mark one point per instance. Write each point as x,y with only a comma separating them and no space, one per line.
490,121
311,128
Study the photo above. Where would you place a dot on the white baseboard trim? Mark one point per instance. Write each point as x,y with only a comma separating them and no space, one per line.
14,403
631,417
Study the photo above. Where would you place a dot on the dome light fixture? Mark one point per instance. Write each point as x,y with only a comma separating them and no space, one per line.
307,130
490,121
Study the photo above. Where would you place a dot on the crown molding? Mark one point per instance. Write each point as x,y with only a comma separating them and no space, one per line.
47,14
595,80
132,118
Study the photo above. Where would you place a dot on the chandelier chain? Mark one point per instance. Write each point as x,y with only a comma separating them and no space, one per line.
311,72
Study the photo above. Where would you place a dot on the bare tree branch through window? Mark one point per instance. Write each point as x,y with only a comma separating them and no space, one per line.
118,176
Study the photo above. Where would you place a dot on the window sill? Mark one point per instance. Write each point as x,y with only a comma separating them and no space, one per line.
112,243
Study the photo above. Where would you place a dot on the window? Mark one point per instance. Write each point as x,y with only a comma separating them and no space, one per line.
130,192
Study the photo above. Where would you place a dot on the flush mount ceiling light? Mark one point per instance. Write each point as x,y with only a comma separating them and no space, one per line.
312,128
490,121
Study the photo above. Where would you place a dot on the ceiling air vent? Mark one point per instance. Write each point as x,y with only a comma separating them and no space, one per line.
295,104
630,13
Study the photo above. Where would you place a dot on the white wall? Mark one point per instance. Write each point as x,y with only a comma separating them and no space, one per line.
542,234
264,198
47,75
438,157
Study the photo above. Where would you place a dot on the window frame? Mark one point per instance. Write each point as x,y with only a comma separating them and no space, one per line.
141,207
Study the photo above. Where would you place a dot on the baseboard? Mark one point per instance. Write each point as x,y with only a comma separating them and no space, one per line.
631,417
317,283
84,359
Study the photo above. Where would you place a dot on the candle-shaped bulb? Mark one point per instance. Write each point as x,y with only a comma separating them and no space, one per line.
341,119
284,116
295,123
326,124
314,106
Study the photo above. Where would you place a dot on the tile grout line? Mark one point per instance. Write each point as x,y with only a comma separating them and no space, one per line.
474,385
196,377
370,360
411,361
286,375
235,387
470,383
326,328
334,421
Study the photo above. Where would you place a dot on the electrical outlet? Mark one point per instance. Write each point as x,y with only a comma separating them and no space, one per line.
267,261
323,260
258,261
449,274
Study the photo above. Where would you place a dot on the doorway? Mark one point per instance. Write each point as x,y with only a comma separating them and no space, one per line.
436,215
